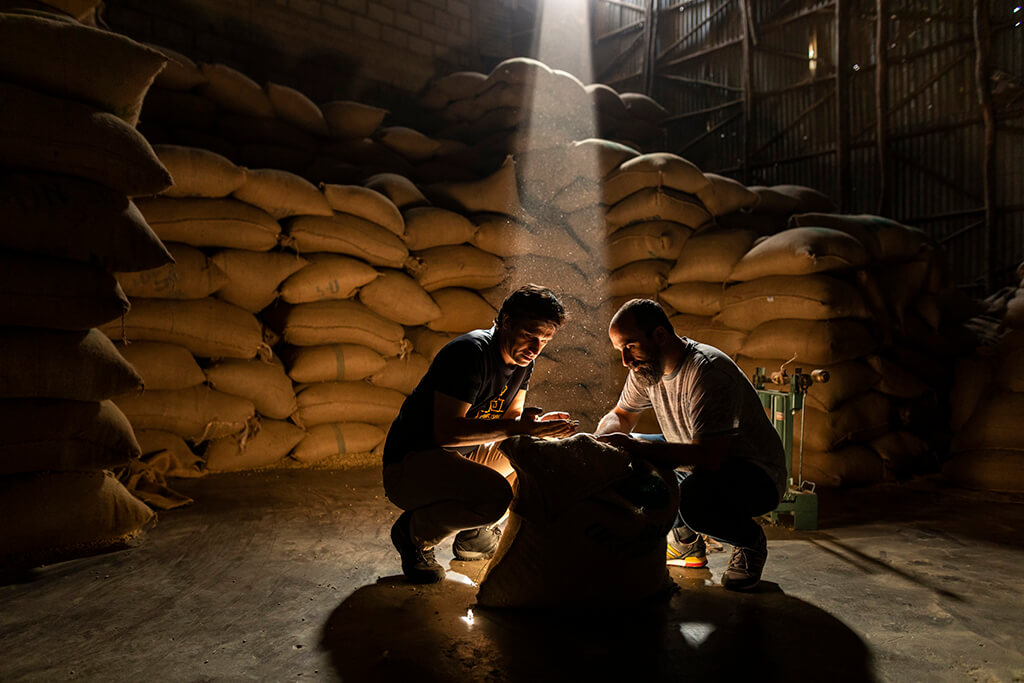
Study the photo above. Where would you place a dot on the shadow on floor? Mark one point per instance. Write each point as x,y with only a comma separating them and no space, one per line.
394,631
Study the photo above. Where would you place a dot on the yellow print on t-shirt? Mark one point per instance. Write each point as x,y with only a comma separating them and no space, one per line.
494,409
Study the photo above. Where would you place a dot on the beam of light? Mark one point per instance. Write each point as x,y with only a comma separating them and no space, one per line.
459,578
695,633
469,618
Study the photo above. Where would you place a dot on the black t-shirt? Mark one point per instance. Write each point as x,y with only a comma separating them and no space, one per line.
469,368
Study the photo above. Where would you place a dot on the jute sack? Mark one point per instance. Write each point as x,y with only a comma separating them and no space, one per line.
995,425
182,110
327,276
332,362
710,256
211,223
459,85
579,194
401,374
885,239
430,226
901,284
60,295
95,512
282,194
396,296
519,70
77,220
1014,318
653,204
179,459
82,366
725,195
810,341
606,99
162,366
598,157
62,136
337,438
347,402
861,418
275,156
341,322
206,327
657,170
427,342
347,119
502,235
365,203
411,144
456,266
181,73
771,201
801,251
988,470
576,498
651,240
644,107
274,440
53,434
807,198
263,383
851,465
234,91
895,379
640,278
347,234
1010,376
903,454
192,276
462,310
253,277
79,9
196,414
497,193
706,331
972,381
695,298
804,297
199,172
295,108
109,71
846,380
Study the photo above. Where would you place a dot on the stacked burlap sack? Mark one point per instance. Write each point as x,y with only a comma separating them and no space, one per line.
71,159
216,107
987,403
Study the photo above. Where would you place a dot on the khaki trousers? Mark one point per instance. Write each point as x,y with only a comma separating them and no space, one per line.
447,492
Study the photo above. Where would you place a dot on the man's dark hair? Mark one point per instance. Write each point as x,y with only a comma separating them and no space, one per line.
647,314
532,302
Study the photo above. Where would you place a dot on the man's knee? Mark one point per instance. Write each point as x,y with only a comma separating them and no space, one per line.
492,500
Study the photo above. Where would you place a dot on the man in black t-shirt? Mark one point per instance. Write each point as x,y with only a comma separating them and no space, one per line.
441,461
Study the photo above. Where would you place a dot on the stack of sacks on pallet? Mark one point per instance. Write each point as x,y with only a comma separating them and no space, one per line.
71,159
192,331
986,405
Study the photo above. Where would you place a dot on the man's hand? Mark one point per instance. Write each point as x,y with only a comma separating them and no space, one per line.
553,425
623,441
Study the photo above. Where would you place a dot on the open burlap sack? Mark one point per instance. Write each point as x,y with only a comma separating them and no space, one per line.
96,513
270,444
56,434
199,172
345,233
192,276
579,498
162,366
78,220
337,438
109,71
169,454
211,222
206,327
81,366
62,136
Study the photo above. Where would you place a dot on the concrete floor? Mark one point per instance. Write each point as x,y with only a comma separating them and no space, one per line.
289,574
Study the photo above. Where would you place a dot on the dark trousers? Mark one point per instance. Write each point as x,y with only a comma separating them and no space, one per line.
722,503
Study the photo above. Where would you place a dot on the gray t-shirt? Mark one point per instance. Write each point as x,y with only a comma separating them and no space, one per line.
708,395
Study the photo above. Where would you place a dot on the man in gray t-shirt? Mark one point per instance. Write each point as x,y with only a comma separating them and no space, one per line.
715,429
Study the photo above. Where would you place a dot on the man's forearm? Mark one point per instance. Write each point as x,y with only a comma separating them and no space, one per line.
467,431
612,423
676,455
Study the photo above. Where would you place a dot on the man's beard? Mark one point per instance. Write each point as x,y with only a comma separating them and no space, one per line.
650,371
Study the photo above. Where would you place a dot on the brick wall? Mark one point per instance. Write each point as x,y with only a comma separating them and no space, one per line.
374,51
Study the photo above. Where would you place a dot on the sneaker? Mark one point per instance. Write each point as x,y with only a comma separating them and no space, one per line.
418,563
745,566
476,544
692,555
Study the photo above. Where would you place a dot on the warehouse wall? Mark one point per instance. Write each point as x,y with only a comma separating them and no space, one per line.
373,51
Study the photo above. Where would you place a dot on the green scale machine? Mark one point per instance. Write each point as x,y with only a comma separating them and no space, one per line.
799,501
